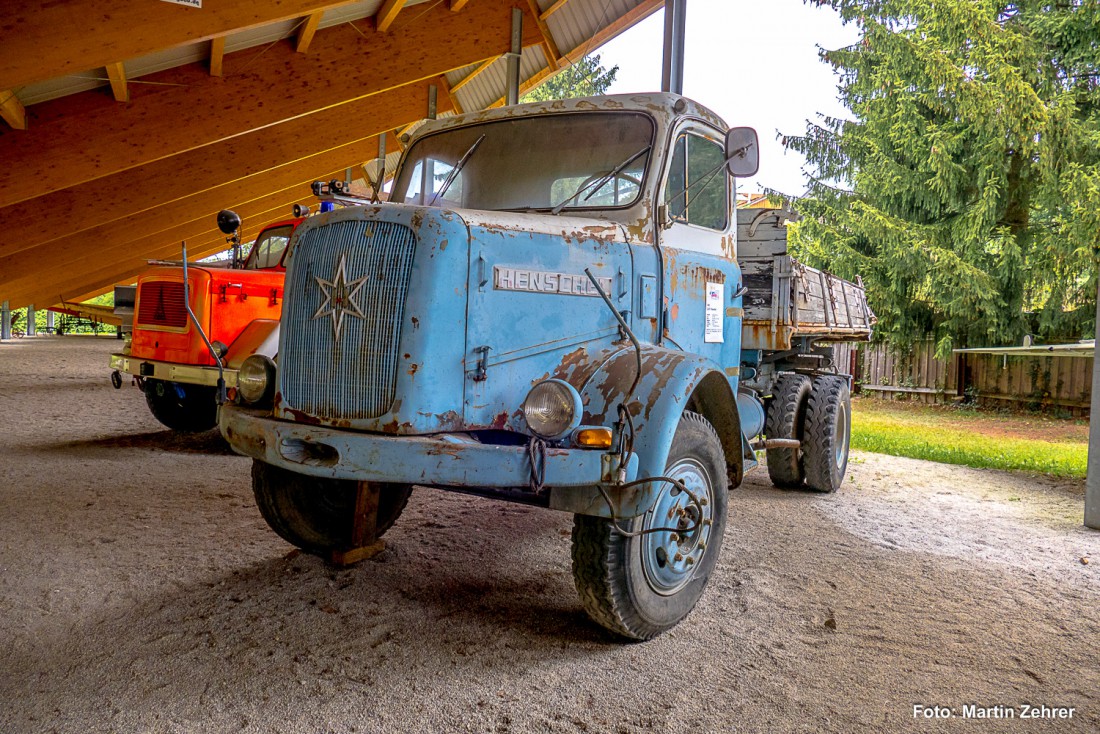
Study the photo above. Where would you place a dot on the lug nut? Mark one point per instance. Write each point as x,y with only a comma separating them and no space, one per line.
702,546
679,557
690,560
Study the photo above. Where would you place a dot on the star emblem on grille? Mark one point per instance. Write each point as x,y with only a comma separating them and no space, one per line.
339,298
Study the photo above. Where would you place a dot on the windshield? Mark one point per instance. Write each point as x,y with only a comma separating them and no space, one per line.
269,248
531,163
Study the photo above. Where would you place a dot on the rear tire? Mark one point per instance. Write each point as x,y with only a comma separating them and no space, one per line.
185,408
828,433
786,419
639,587
317,514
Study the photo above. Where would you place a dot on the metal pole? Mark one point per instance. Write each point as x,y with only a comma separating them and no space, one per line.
5,321
1092,481
49,322
30,320
672,74
514,56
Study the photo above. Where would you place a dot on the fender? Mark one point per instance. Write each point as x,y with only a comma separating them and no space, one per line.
671,382
259,337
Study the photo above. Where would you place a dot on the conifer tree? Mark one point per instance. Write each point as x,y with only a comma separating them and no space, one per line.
965,188
585,78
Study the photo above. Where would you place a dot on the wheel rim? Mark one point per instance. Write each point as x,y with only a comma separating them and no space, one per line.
669,559
840,435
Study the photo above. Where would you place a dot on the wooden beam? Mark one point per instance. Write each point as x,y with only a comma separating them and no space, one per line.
446,88
387,14
548,43
26,270
241,161
306,32
116,73
78,139
11,109
474,74
457,5
46,40
217,55
555,7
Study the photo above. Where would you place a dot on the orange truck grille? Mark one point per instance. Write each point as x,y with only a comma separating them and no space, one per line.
160,303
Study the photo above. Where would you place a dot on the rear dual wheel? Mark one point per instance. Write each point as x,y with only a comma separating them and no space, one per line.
818,413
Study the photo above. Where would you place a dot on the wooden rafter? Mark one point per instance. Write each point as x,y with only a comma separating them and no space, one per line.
11,109
116,73
217,54
259,159
445,87
548,43
307,31
555,7
457,5
58,152
387,14
55,38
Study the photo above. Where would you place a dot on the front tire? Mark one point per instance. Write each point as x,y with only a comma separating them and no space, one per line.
317,514
641,586
828,433
185,408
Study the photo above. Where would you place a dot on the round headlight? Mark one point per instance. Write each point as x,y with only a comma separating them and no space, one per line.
256,379
552,409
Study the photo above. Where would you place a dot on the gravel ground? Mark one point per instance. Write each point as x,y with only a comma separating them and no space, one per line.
143,593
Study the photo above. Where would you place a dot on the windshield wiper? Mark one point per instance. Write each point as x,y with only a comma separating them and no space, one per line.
455,171
598,183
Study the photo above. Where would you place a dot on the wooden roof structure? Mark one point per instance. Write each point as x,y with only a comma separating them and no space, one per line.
127,125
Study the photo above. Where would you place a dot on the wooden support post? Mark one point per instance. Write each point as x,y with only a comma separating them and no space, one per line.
116,73
364,544
307,31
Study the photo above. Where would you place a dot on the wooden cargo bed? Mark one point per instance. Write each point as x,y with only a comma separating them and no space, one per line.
786,299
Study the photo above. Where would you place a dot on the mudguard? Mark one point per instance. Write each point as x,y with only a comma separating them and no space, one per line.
259,337
670,381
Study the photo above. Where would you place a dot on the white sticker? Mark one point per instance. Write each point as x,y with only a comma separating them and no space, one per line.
188,3
713,332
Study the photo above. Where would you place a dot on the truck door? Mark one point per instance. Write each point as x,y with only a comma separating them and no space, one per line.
701,276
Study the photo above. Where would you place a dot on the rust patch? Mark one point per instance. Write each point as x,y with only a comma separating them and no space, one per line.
500,421
412,369
674,312
416,323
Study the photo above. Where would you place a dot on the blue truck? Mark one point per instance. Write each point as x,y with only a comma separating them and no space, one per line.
551,308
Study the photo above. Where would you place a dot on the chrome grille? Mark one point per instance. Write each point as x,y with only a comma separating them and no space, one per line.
351,377
160,303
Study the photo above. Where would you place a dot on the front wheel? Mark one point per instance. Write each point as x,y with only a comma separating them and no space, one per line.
318,514
641,585
827,433
186,408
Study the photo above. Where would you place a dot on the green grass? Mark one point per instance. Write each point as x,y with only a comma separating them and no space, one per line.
915,436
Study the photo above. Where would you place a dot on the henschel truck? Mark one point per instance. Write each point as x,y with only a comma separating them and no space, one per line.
550,310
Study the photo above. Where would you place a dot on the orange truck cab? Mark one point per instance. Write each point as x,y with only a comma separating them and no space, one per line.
238,309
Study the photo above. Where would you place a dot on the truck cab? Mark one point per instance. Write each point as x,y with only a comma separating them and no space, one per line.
238,311
547,310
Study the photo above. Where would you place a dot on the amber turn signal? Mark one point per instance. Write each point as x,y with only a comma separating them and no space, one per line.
593,438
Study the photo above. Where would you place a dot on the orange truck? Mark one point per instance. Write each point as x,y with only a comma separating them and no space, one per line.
180,367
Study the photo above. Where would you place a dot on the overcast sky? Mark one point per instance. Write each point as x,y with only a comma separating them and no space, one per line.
754,62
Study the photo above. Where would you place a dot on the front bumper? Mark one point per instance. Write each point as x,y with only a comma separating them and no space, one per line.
190,374
447,461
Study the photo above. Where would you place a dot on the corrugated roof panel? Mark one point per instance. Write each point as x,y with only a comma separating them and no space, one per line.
492,84
579,20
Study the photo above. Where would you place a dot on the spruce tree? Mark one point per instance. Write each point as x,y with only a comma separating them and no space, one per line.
965,188
586,78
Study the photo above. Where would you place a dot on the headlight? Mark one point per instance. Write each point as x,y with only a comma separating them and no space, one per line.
552,409
256,379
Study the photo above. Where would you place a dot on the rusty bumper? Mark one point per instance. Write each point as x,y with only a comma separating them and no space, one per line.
446,460
190,374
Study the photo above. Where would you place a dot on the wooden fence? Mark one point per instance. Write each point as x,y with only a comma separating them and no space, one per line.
1058,383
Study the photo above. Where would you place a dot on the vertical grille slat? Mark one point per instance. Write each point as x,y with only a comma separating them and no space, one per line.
353,377
161,304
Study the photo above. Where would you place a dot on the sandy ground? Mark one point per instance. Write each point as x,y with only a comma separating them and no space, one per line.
142,592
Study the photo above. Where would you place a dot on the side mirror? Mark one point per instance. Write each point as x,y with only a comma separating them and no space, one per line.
228,221
742,152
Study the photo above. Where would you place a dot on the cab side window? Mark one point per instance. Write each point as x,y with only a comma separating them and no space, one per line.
697,191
